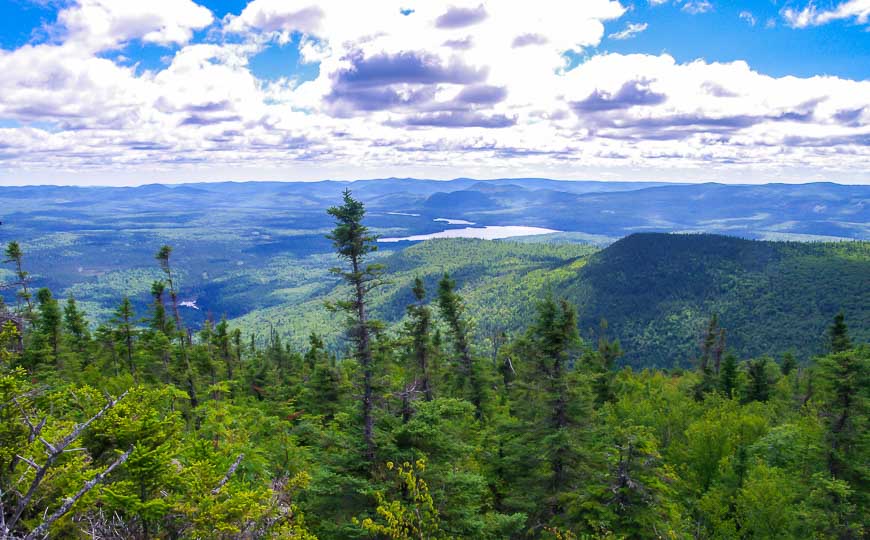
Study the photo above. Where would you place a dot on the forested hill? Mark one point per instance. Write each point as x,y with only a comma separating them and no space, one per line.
657,291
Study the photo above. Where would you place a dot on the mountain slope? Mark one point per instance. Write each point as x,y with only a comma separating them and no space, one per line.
657,291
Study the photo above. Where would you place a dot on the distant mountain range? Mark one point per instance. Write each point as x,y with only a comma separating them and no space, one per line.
609,209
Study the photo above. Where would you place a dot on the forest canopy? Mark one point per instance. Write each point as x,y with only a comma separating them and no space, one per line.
433,424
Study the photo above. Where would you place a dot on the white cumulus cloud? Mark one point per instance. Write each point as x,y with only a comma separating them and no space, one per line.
417,87
810,15
101,24
630,30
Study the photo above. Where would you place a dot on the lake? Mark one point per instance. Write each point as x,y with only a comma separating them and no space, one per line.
493,232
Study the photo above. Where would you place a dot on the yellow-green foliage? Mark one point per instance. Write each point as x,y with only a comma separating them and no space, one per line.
414,515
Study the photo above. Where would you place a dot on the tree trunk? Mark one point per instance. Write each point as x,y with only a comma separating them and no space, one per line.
365,358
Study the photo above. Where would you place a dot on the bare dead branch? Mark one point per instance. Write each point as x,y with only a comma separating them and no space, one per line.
29,462
42,529
99,526
34,430
55,451
3,529
50,447
229,474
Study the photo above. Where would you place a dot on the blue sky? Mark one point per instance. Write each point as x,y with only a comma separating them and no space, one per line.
111,91
841,48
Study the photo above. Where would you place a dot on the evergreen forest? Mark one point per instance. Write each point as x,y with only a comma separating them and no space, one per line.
428,396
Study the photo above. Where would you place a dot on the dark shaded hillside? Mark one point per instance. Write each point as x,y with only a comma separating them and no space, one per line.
658,290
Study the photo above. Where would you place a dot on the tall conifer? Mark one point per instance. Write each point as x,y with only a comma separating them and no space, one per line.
354,244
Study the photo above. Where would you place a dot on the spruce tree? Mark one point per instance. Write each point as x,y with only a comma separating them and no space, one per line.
316,350
453,311
321,393
354,244
236,337
158,315
161,334
602,363
557,334
15,255
728,375
708,345
420,326
222,343
124,326
105,337
758,387
76,326
49,322
206,359
847,380
712,348
788,364
162,257
839,334
551,403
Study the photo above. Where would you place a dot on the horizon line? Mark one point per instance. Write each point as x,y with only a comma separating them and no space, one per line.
170,184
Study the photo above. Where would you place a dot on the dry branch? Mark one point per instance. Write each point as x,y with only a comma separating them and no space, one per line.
229,474
54,452
43,527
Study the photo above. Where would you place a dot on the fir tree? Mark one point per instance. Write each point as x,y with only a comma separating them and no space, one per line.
839,334
162,257
788,364
15,255
76,325
49,322
758,387
124,326
353,244
453,311
728,375
420,326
